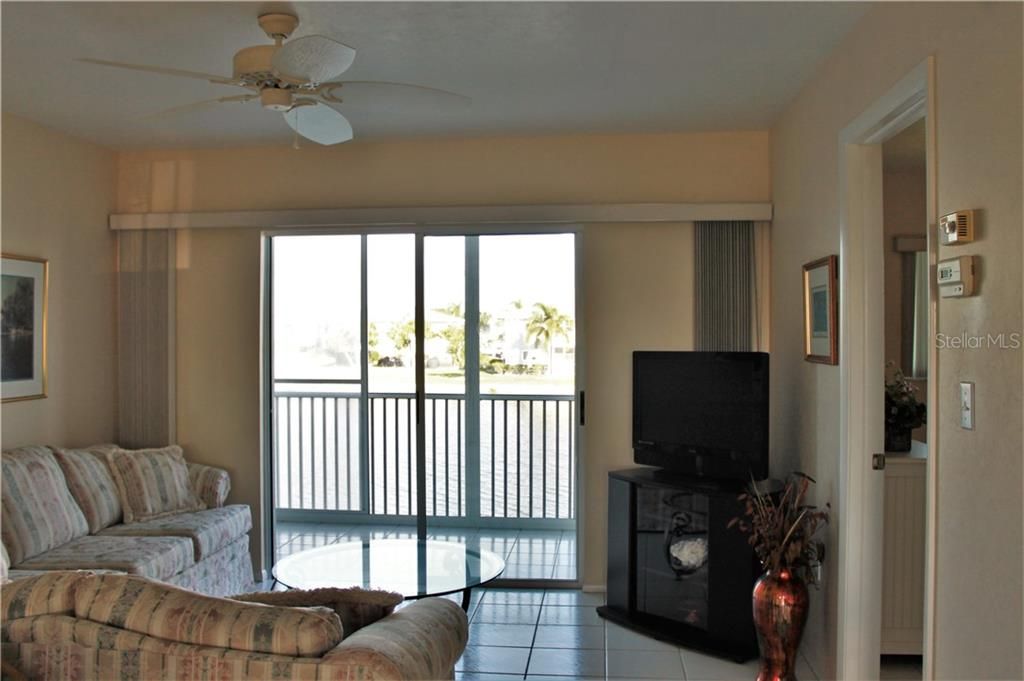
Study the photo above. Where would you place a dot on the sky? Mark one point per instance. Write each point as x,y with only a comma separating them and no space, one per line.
316,280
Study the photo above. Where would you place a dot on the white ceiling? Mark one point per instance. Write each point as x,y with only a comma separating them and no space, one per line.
537,67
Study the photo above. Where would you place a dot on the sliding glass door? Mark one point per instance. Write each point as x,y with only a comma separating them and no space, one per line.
497,465
318,375
524,386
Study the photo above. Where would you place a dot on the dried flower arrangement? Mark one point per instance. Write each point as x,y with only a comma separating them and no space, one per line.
782,528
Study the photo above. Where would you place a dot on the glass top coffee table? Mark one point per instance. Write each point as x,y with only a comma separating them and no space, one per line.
413,568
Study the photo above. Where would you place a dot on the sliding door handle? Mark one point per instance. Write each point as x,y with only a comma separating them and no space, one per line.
583,408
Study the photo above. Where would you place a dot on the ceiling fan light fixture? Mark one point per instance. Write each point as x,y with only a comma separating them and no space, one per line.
278,26
276,99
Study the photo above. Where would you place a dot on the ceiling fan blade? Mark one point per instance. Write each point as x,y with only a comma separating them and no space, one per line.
320,123
196,106
312,59
379,94
220,80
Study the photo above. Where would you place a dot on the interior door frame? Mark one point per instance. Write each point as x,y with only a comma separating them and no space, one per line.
861,358
419,232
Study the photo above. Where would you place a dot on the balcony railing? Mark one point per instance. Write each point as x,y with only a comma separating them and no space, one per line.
526,456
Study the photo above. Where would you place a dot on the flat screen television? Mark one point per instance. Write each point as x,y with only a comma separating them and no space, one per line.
702,414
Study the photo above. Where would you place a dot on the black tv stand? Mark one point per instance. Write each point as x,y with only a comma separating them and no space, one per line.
676,572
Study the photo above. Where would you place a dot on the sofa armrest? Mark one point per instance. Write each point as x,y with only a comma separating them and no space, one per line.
210,484
50,593
423,640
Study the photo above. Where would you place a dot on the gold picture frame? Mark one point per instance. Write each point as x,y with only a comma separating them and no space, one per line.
821,310
24,305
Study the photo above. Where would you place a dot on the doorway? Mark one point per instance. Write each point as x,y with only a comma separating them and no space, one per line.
905,255
499,451
863,353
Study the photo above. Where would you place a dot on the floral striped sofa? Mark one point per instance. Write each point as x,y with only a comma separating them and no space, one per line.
62,510
85,626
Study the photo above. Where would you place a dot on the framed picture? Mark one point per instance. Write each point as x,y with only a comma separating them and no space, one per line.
23,300
821,311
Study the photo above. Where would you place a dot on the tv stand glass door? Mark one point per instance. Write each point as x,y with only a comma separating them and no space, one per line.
672,554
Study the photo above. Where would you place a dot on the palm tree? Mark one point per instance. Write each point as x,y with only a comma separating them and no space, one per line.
451,309
402,334
544,326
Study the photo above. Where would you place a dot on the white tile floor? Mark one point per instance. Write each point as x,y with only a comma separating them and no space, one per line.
538,634
557,635
528,554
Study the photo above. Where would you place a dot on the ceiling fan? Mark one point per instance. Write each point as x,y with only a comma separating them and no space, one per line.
295,78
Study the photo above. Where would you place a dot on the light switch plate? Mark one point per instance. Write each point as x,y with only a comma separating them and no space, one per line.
967,405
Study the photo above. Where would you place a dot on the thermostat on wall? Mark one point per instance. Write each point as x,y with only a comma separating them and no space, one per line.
956,228
956,277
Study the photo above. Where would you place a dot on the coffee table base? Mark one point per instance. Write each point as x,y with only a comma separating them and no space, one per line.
416,569
467,595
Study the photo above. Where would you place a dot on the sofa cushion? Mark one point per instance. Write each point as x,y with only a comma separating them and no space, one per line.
38,512
152,483
154,557
176,614
88,477
210,530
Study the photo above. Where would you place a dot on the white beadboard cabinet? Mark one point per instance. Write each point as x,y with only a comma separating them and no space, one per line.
903,553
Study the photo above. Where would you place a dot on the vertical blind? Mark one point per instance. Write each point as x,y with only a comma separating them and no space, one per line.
145,337
727,307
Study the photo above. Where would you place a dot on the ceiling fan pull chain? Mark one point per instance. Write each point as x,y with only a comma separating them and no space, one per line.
295,142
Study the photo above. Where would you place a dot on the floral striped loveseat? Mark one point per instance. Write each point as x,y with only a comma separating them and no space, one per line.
85,626
61,510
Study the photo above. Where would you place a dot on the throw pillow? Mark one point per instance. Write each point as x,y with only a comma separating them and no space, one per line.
38,511
91,484
355,607
152,483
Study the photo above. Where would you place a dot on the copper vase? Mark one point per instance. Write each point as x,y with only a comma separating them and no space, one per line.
780,612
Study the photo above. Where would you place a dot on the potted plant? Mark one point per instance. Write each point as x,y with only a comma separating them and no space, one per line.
903,412
782,529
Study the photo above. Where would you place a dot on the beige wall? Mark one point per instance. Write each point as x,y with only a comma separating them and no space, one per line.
218,283
638,291
904,213
218,360
977,50
728,166
57,192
